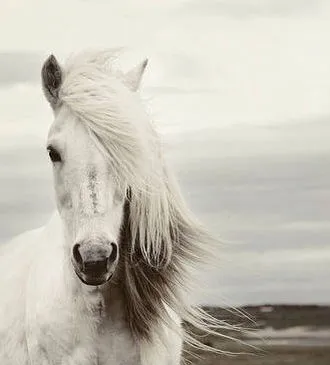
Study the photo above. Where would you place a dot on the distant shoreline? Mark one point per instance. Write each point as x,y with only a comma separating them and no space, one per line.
276,316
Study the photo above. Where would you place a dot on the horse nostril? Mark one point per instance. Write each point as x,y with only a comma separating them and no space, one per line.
77,255
114,253
95,259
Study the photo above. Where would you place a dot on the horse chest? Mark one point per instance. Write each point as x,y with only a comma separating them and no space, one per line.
79,332
116,347
85,343
114,343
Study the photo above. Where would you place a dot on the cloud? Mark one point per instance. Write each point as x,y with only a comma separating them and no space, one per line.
27,196
243,106
257,201
261,192
25,117
19,67
252,8
259,187
281,276
100,24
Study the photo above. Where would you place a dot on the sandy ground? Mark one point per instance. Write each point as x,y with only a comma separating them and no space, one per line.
275,355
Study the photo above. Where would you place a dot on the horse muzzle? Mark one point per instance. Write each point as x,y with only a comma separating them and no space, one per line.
95,261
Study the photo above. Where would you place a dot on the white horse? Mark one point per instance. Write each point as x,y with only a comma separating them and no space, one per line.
104,282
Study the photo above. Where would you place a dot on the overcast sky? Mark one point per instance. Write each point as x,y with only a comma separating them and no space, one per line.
240,90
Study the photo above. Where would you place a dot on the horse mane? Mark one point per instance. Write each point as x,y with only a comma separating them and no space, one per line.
161,239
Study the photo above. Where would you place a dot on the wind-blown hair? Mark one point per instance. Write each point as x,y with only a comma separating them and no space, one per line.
162,239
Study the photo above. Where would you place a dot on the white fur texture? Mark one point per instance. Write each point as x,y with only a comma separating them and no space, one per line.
47,315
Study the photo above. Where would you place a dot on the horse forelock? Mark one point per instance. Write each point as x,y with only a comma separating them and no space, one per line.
122,130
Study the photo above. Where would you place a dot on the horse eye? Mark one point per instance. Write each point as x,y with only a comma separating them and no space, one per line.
54,155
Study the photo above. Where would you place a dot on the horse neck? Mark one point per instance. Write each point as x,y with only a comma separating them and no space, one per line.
105,301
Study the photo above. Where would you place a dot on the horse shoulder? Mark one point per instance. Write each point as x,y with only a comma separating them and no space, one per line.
15,259
49,300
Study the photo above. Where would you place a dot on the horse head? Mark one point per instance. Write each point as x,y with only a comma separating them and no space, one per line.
90,193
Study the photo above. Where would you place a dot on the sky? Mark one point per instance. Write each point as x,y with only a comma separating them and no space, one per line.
240,92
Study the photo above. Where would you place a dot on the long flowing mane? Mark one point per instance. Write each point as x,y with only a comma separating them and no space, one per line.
161,239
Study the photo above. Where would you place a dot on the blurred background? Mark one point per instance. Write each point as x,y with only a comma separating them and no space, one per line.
239,90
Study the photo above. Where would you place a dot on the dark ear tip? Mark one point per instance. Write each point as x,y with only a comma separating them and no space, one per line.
51,74
52,58
145,63
50,61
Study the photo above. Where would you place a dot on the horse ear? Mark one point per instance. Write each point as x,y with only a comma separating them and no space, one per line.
132,78
52,77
